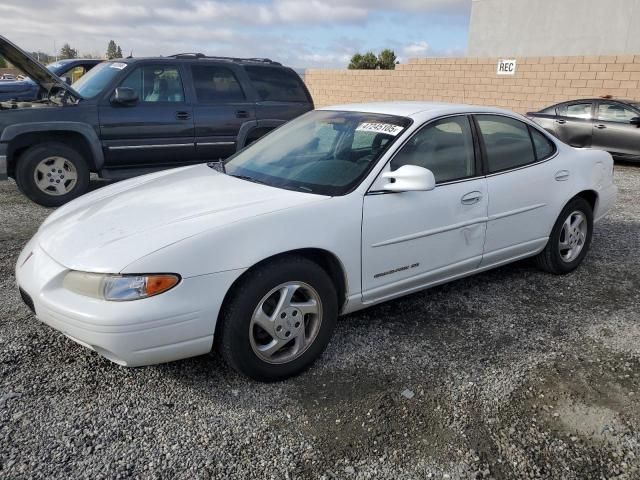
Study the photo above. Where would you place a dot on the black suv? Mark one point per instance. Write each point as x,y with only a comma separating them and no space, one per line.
133,116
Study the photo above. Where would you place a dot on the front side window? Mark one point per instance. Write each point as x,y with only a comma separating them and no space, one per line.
277,84
445,147
507,142
324,152
215,84
156,83
614,112
578,110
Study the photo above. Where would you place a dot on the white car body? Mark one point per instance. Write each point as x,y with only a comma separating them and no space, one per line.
210,228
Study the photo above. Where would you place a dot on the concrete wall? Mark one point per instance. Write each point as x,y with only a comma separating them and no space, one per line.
538,81
554,27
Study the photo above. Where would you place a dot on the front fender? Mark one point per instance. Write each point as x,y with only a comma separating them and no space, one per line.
13,131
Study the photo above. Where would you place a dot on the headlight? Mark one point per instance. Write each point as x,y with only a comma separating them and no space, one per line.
119,288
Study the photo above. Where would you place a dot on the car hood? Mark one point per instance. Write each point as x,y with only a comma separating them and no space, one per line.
112,227
32,68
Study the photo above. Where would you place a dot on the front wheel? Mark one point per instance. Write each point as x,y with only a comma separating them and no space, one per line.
51,174
278,320
570,239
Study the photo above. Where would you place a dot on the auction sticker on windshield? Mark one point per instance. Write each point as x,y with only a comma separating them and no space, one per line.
118,65
379,127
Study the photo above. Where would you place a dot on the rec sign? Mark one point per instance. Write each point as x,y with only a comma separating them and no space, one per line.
506,67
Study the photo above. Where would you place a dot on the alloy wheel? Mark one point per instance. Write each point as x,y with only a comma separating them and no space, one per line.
55,176
573,236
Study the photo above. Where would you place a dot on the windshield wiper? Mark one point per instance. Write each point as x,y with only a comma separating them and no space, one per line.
248,179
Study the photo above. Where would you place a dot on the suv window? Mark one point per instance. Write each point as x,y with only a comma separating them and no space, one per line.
277,84
614,112
156,83
507,142
445,147
216,84
578,110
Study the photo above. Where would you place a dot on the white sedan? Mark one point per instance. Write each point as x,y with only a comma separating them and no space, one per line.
340,209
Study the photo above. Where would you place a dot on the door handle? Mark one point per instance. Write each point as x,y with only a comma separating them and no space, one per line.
562,176
601,126
183,115
561,122
471,198
242,114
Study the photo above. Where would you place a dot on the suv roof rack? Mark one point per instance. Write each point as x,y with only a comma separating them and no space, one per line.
228,59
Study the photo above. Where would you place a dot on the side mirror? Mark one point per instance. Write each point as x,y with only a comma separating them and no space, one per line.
409,178
124,96
635,121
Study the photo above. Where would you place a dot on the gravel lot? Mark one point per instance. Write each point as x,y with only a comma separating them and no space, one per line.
509,374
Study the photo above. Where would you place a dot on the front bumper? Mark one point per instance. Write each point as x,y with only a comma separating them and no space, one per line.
177,324
3,162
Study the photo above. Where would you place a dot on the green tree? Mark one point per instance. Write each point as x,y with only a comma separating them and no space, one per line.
368,61
112,50
67,52
119,52
387,59
3,63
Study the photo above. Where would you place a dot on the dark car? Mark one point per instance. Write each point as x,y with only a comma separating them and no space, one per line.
28,90
603,123
133,116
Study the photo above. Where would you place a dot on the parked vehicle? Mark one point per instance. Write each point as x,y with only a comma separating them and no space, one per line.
603,123
26,90
134,116
7,77
342,208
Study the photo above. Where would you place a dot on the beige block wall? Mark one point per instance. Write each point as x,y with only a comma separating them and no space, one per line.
538,81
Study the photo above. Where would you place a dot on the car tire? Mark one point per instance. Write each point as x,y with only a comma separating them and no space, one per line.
52,173
267,338
570,239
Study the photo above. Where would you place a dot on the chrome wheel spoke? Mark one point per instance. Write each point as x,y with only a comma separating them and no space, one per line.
287,327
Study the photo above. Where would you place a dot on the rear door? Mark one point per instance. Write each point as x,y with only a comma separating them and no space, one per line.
155,131
574,124
281,94
222,108
520,179
613,131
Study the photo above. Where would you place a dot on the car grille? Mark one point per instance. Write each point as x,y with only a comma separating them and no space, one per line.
27,300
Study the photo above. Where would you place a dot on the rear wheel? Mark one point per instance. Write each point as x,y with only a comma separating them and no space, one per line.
278,320
52,173
570,239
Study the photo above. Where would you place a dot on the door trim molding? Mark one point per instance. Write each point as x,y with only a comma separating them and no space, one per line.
142,147
498,216
428,233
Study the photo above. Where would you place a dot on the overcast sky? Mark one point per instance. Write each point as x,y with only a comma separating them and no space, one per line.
301,33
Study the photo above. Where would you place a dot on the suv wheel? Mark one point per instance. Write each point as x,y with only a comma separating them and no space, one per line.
51,174
279,320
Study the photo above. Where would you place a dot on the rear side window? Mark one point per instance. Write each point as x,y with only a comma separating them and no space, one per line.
215,84
543,146
277,84
507,142
578,110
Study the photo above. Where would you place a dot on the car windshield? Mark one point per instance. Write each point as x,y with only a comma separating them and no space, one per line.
96,79
323,152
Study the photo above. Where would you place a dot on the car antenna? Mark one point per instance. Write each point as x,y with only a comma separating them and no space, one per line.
130,54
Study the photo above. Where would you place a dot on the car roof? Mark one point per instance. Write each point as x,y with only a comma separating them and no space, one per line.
203,58
410,109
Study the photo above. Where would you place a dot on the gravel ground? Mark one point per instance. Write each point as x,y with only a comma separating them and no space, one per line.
509,374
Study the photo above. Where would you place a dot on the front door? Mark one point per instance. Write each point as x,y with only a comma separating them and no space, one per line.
412,239
613,131
155,131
